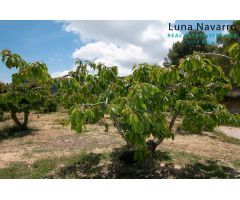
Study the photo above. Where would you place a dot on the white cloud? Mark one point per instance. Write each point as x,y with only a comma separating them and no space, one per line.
111,54
122,43
59,74
151,33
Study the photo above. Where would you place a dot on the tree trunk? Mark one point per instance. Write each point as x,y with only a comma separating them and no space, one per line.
174,117
25,123
1,116
120,130
18,123
153,145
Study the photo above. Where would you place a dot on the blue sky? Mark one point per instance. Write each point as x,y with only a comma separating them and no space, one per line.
58,44
38,41
209,22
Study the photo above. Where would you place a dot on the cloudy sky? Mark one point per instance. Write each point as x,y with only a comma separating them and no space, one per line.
59,43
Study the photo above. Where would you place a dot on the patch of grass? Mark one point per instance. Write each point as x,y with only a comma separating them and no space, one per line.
43,167
224,138
183,158
15,170
85,165
195,166
209,169
163,156
103,165
236,163
38,169
81,157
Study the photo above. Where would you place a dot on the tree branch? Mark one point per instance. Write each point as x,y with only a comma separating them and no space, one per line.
25,122
174,117
159,141
218,54
16,120
114,117
118,125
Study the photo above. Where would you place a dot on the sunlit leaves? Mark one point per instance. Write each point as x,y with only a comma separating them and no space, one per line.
30,84
196,69
165,76
76,119
141,100
234,52
81,86
204,115
80,115
12,60
139,103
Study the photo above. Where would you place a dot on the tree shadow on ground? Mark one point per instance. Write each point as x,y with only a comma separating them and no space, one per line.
209,169
10,132
93,166
88,166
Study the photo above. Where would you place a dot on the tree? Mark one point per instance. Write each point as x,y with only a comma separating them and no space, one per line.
223,44
28,87
192,41
234,52
1,106
225,41
202,88
141,104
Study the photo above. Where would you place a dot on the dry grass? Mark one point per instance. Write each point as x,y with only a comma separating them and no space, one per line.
52,142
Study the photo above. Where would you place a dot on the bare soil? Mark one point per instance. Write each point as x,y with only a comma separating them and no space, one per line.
47,137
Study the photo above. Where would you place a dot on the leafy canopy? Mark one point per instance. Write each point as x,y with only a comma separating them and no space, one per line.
141,104
28,87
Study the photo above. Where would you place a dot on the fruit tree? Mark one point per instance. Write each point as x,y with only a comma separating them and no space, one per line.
27,89
145,105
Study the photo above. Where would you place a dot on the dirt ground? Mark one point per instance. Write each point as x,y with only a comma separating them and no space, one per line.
49,137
